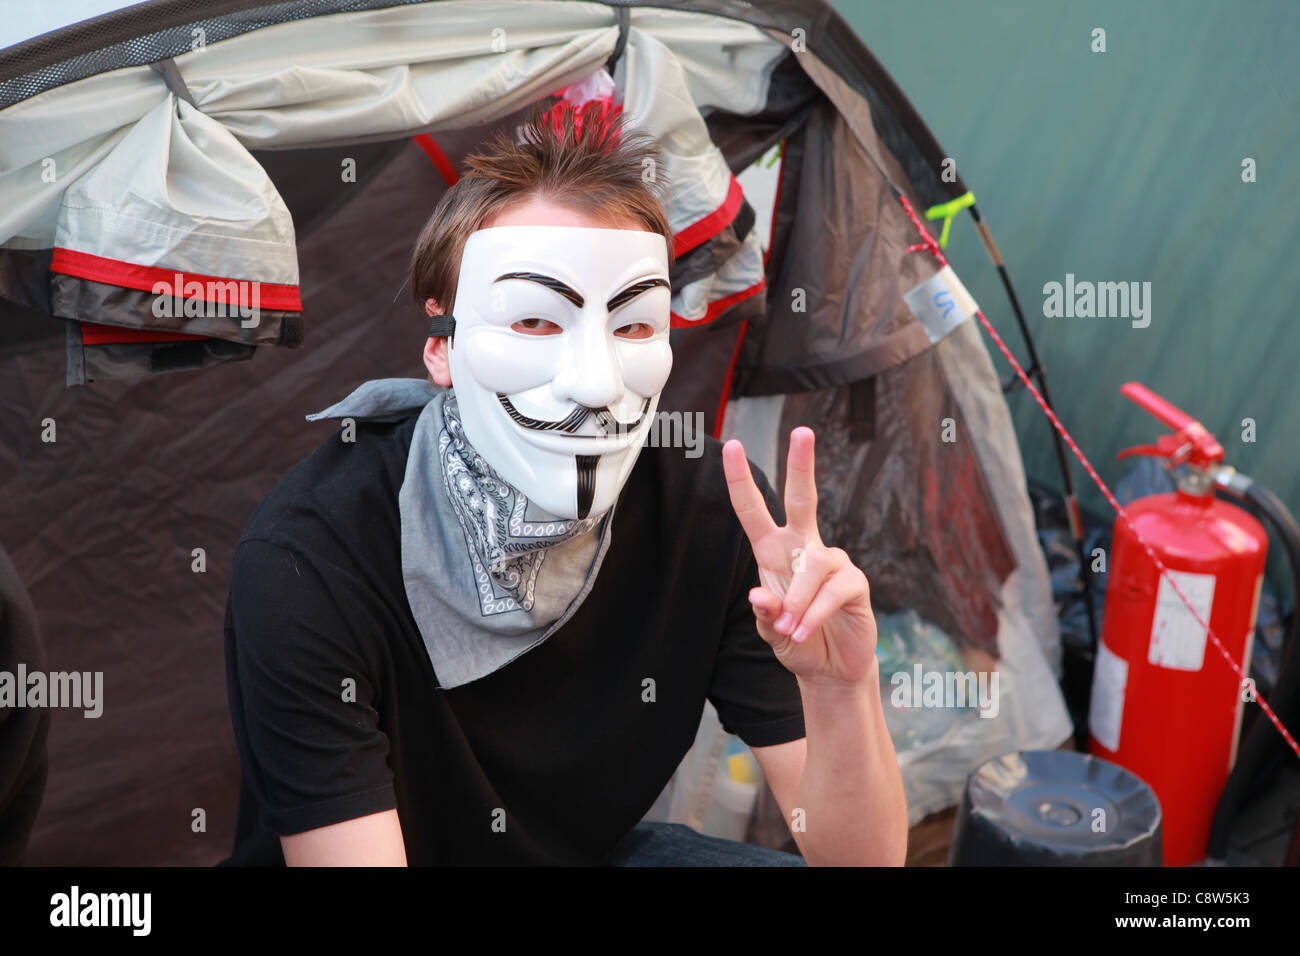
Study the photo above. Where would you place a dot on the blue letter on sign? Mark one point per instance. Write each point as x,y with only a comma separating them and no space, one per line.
943,299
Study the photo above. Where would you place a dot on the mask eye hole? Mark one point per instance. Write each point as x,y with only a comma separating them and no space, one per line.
636,330
536,327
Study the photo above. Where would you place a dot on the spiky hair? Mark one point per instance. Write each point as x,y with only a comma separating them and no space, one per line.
587,159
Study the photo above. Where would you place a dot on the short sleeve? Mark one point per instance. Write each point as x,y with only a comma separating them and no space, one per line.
301,695
756,698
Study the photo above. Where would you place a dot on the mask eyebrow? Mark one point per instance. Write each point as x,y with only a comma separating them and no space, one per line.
550,282
634,290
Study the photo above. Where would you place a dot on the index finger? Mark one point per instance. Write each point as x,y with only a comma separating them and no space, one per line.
746,500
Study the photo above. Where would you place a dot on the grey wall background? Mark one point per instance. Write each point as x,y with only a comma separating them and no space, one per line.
1126,166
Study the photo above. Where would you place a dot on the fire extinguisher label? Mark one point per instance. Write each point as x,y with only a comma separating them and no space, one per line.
1177,641
1106,710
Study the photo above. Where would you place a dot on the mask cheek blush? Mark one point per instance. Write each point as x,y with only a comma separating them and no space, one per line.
501,362
646,365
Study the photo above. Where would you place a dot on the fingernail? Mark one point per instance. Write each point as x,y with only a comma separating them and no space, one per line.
799,635
784,622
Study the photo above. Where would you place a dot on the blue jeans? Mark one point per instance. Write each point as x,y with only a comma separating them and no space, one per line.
675,844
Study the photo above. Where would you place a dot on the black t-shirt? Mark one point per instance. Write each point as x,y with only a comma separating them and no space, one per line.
550,760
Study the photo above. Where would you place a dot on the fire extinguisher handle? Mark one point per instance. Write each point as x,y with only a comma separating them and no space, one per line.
1144,398
1163,450
1190,442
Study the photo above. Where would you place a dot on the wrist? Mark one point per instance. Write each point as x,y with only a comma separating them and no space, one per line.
818,687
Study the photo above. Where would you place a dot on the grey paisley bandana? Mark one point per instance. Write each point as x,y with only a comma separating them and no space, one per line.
488,575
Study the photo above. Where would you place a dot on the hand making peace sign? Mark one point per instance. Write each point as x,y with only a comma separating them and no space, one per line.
812,605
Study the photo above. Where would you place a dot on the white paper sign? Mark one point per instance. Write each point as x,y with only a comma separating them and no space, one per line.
1106,711
941,303
1177,641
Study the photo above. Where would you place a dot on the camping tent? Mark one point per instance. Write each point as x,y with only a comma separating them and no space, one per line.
175,152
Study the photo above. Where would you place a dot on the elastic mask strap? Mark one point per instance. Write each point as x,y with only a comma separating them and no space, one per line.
442,326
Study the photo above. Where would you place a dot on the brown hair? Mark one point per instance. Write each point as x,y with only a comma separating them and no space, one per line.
584,158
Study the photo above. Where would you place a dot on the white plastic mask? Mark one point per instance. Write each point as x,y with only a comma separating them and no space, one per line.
559,356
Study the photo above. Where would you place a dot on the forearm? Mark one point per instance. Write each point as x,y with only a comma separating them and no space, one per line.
851,791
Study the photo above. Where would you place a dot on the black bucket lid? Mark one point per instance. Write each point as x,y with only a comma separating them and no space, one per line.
1056,808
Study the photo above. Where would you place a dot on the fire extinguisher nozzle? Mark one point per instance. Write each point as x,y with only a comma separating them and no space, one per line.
1233,482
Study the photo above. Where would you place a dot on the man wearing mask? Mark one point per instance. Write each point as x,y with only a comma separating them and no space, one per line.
483,632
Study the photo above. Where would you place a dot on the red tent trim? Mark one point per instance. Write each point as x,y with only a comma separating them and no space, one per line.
440,160
93,333
128,275
717,307
705,229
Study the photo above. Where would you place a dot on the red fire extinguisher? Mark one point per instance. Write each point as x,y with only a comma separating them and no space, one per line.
1165,703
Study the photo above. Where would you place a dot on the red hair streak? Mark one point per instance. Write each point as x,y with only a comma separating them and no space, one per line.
600,112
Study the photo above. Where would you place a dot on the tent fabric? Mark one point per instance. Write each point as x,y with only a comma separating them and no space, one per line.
103,523
816,336
924,542
973,379
207,209
203,224
24,731
198,203
384,73
705,197
789,307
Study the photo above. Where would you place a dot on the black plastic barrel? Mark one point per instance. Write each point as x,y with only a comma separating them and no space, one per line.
1055,808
